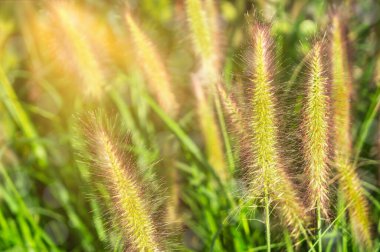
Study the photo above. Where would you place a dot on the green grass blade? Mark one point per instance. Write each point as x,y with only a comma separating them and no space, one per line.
14,107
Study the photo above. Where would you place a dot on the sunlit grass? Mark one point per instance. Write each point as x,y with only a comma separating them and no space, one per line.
220,126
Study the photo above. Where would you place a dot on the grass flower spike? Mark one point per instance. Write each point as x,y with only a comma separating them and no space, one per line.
203,29
316,135
341,90
232,135
200,29
316,127
69,37
153,67
341,97
234,114
354,196
131,210
268,173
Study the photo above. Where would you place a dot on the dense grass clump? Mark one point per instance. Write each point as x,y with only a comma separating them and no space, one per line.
241,125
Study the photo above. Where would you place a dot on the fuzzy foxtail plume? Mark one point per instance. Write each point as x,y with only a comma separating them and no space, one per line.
204,26
315,129
268,174
234,114
119,173
341,97
67,33
200,29
353,192
341,90
153,67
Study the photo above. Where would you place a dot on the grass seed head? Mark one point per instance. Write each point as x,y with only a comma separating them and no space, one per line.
200,28
69,36
340,88
341,99
354,196
316,129
131,210
153,67
268,172
203,21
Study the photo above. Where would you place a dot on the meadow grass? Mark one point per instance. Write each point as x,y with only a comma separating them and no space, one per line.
218,126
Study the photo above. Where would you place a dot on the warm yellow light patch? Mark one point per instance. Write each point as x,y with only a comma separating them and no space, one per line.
75,48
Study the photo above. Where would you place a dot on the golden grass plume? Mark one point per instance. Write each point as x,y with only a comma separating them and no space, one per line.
316,129
131,209
349,180
152,65
268,173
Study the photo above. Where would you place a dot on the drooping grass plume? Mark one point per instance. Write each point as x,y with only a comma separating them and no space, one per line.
267,172
160,85
69,37
354,196
153,67
131,209
349,180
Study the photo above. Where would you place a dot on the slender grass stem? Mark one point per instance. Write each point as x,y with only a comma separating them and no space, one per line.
319,227
227,143
306,236
338,217
267,219
342,223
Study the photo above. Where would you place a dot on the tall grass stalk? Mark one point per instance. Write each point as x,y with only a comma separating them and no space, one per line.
204,29
131,210
267,172
316,137
341,98
153,67
72,41
200,29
